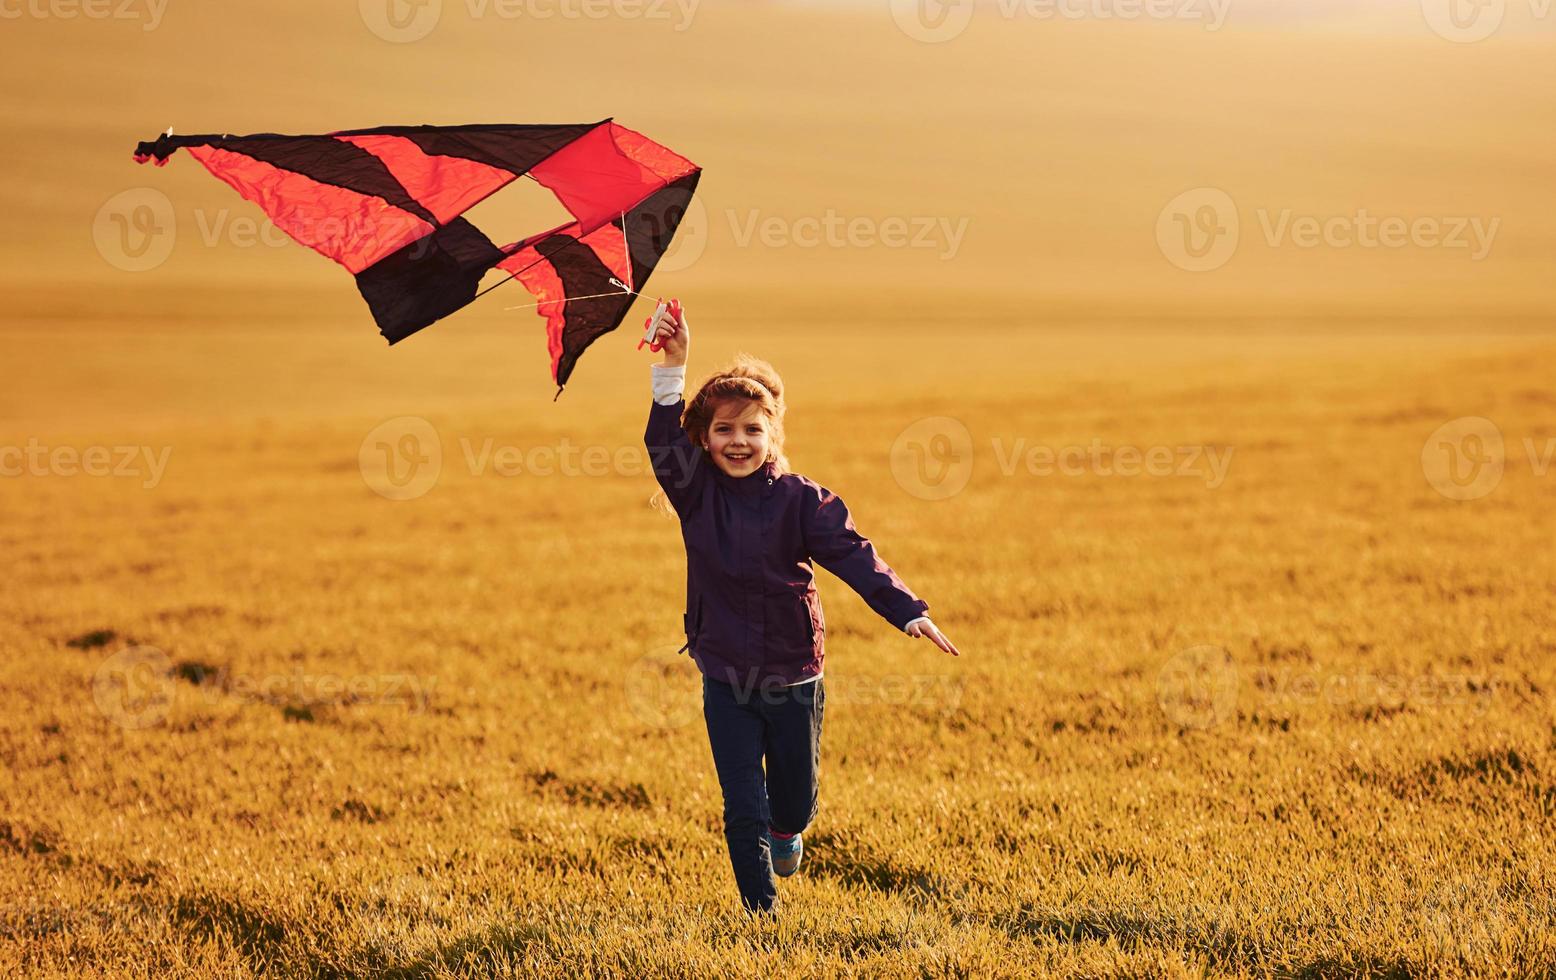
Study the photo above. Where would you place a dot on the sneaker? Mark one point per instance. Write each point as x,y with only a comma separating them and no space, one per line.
786,854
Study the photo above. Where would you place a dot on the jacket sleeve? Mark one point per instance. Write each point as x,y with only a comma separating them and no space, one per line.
677,464
832,540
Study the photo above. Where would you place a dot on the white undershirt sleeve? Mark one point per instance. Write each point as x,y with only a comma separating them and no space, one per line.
669,383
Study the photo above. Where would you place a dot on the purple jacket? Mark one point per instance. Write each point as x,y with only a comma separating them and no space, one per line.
753,616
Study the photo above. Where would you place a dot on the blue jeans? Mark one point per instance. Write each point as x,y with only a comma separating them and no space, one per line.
783,725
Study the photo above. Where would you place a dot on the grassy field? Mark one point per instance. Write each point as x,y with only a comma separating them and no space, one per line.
1287,717
326,659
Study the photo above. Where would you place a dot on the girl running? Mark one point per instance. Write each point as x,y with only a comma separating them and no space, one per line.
753,618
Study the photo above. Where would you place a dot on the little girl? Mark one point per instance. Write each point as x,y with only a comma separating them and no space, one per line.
753,618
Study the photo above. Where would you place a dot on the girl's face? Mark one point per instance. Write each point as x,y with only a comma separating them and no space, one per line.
737,437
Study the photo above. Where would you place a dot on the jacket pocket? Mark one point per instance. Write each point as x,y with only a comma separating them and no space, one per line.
806,625
691,620
814,619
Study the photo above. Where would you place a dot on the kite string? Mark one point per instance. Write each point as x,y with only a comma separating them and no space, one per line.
626,288
624,291
539,255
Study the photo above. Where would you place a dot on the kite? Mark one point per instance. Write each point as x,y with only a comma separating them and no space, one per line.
387,204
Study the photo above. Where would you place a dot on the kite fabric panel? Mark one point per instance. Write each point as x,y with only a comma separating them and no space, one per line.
387,204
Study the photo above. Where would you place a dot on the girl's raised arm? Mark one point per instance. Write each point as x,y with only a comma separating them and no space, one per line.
678,465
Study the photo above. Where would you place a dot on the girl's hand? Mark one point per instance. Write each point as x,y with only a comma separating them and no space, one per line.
926,627
675,335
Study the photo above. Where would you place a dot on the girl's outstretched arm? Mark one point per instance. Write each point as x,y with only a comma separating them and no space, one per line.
833,541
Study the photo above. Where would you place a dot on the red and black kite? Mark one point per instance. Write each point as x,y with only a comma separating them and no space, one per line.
386,203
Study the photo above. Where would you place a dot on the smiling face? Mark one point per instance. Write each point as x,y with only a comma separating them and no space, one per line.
738,437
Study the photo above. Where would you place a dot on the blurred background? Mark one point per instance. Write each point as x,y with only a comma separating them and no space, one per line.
1189,165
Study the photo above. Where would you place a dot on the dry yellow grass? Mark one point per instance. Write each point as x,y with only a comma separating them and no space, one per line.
523,784
1287,718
